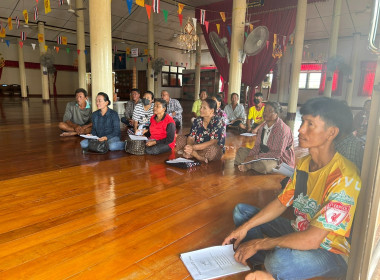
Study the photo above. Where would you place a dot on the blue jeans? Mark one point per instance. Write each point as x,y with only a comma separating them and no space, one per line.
114,144
285,263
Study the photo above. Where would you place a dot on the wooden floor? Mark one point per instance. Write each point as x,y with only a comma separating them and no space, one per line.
66,215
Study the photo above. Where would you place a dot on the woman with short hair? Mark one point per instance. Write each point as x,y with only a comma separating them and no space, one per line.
105,124
206,139
143,111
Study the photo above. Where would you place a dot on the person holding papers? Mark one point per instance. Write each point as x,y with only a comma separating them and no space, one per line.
274,144
162,130
206,139
323,191
105,124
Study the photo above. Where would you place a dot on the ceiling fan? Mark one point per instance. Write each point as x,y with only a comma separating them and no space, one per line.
73,11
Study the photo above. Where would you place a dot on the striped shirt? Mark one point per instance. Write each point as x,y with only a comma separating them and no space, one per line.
142,116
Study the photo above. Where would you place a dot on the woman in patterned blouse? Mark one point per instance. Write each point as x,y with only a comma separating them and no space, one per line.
206,139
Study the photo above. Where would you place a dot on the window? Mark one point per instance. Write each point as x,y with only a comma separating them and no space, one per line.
171,76
310,76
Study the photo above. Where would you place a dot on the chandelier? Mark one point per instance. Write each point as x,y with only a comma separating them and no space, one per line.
188,39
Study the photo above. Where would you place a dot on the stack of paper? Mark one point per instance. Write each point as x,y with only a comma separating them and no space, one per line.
179,160
258,160
212,262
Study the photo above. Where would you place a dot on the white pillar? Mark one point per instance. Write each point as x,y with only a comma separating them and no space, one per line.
198,56
284,69
81,45
21,67
44,74
237,40
156,93
354,62
150,74
101,49
296,63
192,60
333,42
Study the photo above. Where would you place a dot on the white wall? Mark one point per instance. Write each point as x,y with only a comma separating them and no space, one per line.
67,81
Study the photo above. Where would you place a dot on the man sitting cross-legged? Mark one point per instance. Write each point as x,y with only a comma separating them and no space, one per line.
323,192
77,117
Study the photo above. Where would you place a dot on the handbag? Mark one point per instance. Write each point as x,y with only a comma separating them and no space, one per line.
99,147
135,147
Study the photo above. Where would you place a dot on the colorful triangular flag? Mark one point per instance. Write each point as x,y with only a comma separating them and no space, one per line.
60,2
47,6
148,10
10,25
180,16
17,22
229,29
35,13
165,12
85,52
68,50
23,35
223,16
129,5
59,40
57,49
21,43
218,27
180,8
46,47
250,27
7,42
120,58
78,51
40,37
33,46
140,3
206,24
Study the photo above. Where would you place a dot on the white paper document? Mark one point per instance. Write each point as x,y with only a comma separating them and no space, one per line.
89,136
248,134
179,160
284,169
212,262
136,137
258,160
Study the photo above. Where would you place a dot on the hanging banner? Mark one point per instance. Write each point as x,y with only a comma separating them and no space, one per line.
218,27
10,26
165,12
60,3
284,41
223,16
21,43
40,37
250,27
59,40
33,46
47,6
129,5
203,16
195,24
115,49
26,16
146,51
2,33
140,3
35,13
180,17
206,24
17,22
46,47
180,8
64,40
148,10
128,51
156,6
23,35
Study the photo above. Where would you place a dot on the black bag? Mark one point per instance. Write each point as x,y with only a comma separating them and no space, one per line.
135,147
183,165
99,147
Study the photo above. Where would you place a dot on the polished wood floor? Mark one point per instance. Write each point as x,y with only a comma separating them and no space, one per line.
66,215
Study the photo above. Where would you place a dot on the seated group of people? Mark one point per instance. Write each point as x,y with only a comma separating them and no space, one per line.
323,190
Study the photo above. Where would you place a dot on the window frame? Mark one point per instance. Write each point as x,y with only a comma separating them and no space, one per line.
311,71
172,72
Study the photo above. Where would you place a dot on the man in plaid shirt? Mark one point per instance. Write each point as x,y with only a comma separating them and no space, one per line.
174,108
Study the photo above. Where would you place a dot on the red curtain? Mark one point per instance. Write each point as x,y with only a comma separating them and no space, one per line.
336,85
367,78
278,16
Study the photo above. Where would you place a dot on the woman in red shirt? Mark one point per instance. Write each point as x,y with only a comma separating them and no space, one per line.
161,130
